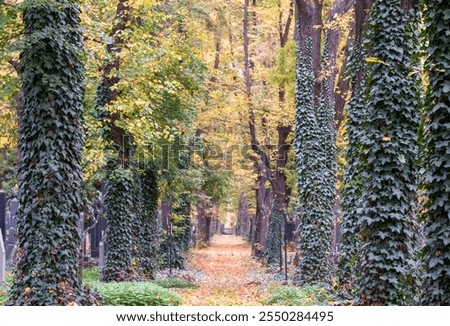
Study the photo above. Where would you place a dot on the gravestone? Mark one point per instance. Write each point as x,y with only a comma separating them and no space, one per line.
3,213
12,227
2,260
96,237
13,207
289,231
101,259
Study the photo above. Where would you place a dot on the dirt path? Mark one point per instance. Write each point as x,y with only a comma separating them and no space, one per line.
230,277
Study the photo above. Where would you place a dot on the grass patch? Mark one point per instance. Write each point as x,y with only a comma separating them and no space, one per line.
90,275
136,294
292,296
171,283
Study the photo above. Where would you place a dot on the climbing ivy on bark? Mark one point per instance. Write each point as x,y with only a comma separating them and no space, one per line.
314,149
51,142
437,169
387,226
272,250
354,176
149,226
119,204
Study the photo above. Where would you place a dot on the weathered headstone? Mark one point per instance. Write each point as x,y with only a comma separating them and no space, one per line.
3,213
13,207
96,236
11,242
12,227
101,258
2,260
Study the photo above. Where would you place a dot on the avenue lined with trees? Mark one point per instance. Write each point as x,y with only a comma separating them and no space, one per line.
318,131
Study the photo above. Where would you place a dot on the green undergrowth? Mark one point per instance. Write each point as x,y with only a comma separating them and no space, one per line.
172,283
90,275
4,288
153,293
136,294
292,296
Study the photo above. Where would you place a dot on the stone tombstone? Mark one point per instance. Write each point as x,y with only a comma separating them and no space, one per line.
96,237
3,213
12,227
101,259
13,207
7,222
2,260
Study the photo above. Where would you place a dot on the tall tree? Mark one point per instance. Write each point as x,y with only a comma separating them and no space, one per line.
51,141
278,214
118,201
387,226
354,177
437,175
314,148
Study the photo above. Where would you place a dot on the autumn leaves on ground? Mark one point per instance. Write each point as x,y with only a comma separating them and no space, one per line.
229,275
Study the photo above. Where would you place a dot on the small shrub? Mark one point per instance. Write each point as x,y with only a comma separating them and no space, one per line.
136,294
3,294
4,288
176,283
291,296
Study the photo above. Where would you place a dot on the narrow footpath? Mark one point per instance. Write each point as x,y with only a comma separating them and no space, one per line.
230,276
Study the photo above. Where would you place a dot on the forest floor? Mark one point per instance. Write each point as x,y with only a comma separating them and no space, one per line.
229,275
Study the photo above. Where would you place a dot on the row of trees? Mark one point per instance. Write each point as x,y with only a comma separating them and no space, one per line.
164,102
125,92
379,262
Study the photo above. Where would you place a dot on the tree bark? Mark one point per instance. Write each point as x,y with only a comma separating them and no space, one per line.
107,94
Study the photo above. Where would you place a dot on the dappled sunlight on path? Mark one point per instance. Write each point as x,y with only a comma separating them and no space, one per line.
230,275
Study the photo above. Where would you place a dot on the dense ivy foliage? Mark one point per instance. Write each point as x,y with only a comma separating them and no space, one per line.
316,175
354,176
272,250
119,236
149,228
437,175
387,227
51,141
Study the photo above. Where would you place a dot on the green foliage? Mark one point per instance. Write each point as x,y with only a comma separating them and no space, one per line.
119,238
176,283
354,176
136,294
3,295
272,250
437,168
149,228
284,71
51,140
90,275
315,154
292,296
387,226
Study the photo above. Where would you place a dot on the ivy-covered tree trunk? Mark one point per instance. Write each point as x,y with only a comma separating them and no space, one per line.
387,227
273,247
51,143
119,147
314,145
437,176
272,250
182,228
119,235
354,178
149,229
